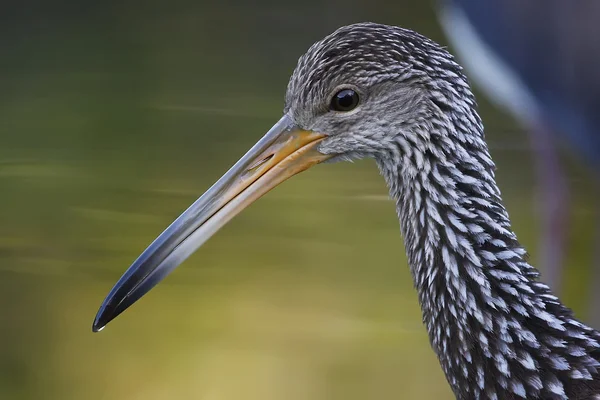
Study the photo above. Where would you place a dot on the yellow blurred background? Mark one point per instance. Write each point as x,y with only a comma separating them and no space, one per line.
114,117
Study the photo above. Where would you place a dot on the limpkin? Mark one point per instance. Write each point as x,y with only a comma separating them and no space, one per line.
388,93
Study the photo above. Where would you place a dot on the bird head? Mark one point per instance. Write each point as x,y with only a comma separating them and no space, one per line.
371,89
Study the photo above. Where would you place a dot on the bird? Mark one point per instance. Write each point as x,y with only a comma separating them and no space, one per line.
388,93
539,61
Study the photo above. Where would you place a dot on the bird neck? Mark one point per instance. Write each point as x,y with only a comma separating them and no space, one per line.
498,332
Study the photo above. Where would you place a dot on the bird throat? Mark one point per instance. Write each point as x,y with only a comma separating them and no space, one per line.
498,332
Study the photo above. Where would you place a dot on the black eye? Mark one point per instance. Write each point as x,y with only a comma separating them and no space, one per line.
344,100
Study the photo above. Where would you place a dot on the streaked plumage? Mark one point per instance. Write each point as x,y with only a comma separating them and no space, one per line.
498,332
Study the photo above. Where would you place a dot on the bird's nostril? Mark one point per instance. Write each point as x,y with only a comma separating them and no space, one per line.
258,164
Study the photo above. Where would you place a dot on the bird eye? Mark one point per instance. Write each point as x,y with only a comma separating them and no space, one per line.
344,100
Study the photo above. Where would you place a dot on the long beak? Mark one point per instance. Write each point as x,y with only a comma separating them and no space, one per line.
283,152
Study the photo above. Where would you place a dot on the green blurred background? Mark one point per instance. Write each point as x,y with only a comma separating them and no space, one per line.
114,117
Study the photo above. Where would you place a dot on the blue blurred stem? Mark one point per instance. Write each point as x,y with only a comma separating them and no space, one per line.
555,204
594,313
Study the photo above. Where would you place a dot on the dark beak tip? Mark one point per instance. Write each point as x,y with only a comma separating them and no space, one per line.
99,323
103,317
